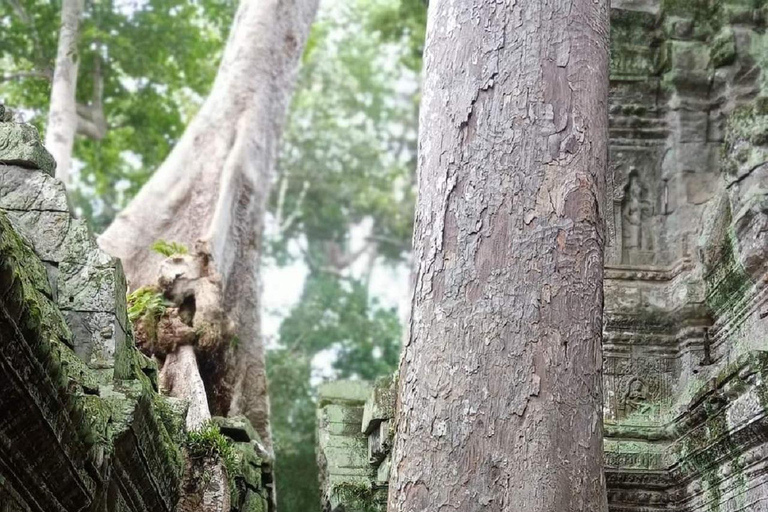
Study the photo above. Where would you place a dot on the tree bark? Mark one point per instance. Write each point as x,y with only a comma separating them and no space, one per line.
62,113
180,378
500,389
212,190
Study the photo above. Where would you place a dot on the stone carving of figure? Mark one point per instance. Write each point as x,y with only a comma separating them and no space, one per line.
635,216
636,397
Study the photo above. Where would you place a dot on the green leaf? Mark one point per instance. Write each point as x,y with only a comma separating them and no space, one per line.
169,249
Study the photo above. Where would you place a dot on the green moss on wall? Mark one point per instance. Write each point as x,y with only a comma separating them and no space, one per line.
358,497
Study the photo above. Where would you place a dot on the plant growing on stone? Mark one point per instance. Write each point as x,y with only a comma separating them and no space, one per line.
146,303
168,249
146,307
208,444
208,441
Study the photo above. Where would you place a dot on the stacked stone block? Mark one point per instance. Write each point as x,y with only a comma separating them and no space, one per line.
346,475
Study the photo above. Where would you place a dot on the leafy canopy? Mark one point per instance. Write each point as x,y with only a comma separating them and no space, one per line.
157,60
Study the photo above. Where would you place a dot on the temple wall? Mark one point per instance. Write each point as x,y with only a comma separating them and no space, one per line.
83,426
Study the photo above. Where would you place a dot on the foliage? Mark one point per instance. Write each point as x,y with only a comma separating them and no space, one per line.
404,21
338,314
350,145
293,426
335,314
208,442
360,497
157,60
169,249
146,301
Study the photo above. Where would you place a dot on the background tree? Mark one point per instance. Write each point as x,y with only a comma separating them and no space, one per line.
62,115
500,392
211,194
342,209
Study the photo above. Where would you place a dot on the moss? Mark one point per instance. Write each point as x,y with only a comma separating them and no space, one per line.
170,419
747,123
706,14
728,281
357,497
723,49
27,290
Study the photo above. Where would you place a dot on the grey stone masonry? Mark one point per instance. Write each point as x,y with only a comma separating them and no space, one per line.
83,426
88,285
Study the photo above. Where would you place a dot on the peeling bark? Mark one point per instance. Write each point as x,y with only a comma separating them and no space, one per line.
212,190
62,113
500,390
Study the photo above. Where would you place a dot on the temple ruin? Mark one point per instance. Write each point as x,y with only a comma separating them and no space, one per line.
84,426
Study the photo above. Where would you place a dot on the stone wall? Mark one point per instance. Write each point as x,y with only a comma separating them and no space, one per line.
83,426
686,302
346,475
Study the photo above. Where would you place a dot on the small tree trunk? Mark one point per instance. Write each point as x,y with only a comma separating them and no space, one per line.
180,378
62,113
500,394
211,194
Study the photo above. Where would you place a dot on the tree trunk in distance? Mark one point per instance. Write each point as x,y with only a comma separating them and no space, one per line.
500,388
62,112
211,192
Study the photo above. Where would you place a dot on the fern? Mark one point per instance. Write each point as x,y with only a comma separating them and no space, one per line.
168,249
146,301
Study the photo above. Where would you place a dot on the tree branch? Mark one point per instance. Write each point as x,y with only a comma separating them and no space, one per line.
297,210
91,120
46,74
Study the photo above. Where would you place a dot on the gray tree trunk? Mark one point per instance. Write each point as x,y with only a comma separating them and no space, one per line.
211,192
62,112
500,390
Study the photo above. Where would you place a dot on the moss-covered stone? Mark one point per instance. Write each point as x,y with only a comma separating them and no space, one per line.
723,48
91,416
24,285
358,497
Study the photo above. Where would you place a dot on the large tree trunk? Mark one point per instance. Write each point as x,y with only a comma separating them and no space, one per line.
500,394
211,194
62,112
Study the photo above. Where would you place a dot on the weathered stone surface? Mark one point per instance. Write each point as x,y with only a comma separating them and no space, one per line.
23,190
89,279
20,145
47,230
59,418
96,334
342,446
379,406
